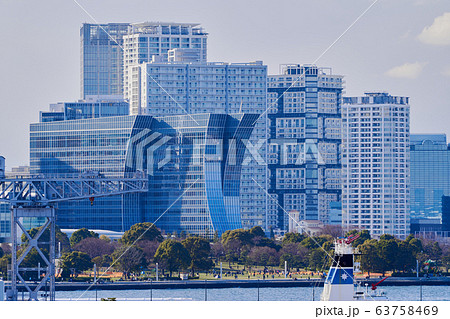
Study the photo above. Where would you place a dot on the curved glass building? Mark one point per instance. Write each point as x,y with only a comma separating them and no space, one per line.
193,163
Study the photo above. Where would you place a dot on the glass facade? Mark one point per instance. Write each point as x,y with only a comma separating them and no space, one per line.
102,58
92,107
5,222
193,164
430,174
305,137
219,88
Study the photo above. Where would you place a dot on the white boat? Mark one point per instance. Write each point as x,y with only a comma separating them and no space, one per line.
340,284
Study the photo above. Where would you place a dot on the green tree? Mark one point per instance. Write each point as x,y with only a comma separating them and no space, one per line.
370,259
317,259
404,260
60,237
388,250
172,256
199,249
257,231
292,238
128,259
236,244
141,231
387,237
416,246
76,260
32,260
316,242
4,262
244,237
81,234
295,254
433,250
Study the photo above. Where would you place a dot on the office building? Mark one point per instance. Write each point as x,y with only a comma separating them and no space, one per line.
193,163
91,107
304,110
220,88
446,215
5,222
375,161
102,58
152,41
335,217
430,174
2,167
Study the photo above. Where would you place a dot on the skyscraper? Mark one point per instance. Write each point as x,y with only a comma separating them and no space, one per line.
303,157
375,164
430,174
151,41
219,88
102,58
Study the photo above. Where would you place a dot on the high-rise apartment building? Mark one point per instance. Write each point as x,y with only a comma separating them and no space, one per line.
430,174
304,110
102,58
220,88
376,164
152,41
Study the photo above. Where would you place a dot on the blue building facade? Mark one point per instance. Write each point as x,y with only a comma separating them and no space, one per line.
430,174
91,107
102,58
193,163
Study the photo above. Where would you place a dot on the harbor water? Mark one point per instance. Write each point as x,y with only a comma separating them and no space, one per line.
394,293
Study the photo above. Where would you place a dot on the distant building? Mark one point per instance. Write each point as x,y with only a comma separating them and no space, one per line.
19,171
91,107
430,174
304,111
2,167
335,213
102,58
151,41
294,222
5,222
311,227
375,162
446,214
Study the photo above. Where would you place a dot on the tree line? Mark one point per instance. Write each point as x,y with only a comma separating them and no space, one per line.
143,245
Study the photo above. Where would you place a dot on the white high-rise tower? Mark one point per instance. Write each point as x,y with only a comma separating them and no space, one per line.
375,164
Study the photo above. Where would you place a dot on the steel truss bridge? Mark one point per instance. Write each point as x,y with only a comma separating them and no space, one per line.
36,197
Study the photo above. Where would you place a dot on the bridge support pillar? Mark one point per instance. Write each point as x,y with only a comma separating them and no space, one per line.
39,242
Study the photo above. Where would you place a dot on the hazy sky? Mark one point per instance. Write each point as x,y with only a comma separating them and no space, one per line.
399,46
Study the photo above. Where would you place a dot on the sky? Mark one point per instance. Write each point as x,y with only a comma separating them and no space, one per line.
398,46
